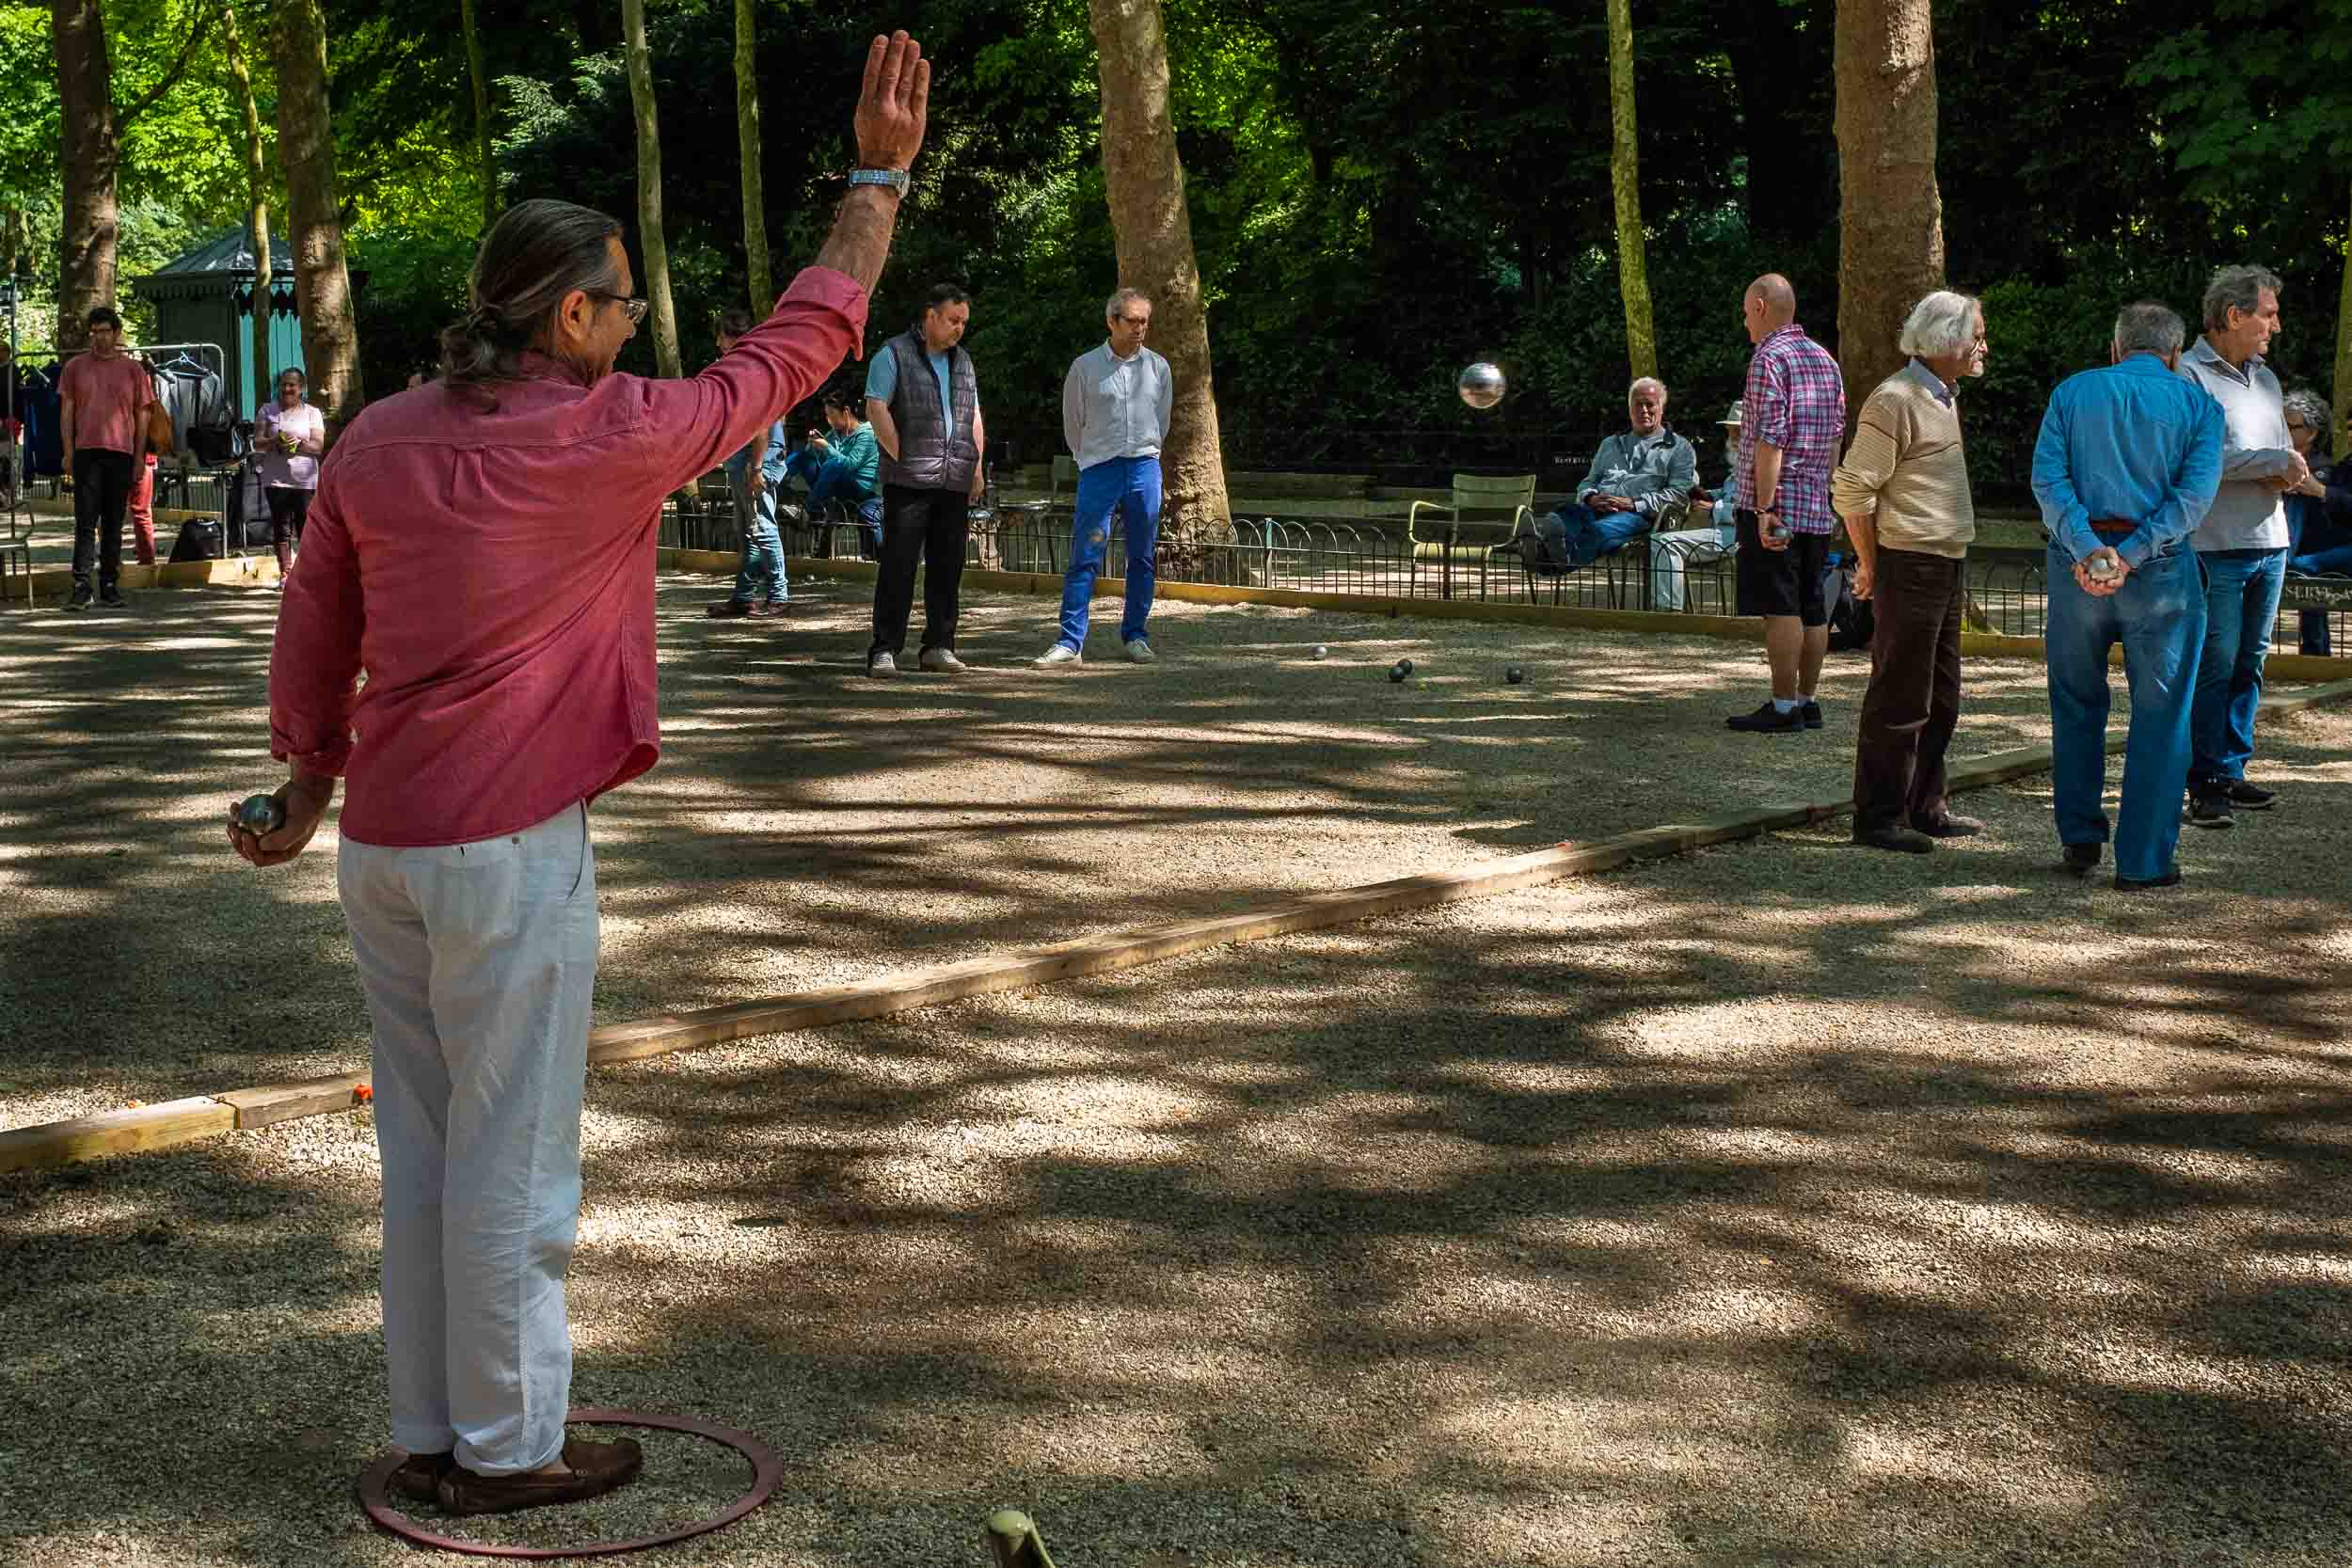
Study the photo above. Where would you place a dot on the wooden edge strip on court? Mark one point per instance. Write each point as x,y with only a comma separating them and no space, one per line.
202,1117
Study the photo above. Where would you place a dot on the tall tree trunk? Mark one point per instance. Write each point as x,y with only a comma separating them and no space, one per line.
657,249
2344,345
91,157
1890,248
481,114
1625,174
747,135
257,197
1152,232
91,129
306,145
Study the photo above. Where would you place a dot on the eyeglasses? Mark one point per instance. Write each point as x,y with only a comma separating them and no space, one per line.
2293,425
1133,320
634,309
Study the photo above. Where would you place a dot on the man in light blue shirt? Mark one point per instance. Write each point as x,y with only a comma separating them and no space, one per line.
1116,405
753,475
2126,464
2242,544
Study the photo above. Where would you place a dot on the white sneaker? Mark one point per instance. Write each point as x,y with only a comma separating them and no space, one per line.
881,664
1140,651
943,660
1060,652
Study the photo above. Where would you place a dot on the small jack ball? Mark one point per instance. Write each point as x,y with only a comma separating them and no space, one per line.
1513,673
1322,652
261,814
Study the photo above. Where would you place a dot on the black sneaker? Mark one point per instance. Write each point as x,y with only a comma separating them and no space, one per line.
1766,719
2082,859
2210,811
2252,797
2134,884
1811,712
1895,836
81,598
111,598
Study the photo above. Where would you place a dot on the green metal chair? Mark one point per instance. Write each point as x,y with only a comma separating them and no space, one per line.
1487,512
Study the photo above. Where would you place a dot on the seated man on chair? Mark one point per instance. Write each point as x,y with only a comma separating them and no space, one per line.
843,469
1633,480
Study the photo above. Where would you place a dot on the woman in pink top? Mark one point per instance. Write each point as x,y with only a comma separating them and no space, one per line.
483,548
292,437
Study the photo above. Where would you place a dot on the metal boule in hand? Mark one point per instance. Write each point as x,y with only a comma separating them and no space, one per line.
261,814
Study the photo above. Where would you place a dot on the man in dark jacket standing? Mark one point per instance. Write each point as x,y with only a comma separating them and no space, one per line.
924,402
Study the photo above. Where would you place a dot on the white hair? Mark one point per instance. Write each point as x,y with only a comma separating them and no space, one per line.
1942,324
1117,302
1642,380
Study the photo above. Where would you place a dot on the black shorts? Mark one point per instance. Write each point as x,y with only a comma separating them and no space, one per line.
289,509
1783,583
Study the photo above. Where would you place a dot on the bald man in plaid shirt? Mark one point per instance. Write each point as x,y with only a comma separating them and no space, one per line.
1794,421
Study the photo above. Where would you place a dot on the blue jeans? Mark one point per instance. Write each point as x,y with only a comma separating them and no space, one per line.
2336,561
2241,607
1593,534
761,574
1118,487
829,480
2159,617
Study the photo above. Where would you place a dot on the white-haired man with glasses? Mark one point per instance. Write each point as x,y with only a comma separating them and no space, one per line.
1903,493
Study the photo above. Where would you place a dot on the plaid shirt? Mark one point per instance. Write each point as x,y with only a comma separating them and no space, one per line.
1796,400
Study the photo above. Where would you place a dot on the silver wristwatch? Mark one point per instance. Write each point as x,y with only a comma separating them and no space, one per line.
894,178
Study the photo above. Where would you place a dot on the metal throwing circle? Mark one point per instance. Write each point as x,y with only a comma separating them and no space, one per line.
767,1471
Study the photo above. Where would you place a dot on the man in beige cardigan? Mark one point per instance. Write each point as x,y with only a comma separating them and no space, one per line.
1903,493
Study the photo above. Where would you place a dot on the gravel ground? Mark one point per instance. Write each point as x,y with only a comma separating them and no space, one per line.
809,826
1780,1203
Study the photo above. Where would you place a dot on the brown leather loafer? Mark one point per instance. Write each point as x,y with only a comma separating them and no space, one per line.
595,1469
418,1477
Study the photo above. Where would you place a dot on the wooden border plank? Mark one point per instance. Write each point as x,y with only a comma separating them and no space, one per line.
307,1097
142,1127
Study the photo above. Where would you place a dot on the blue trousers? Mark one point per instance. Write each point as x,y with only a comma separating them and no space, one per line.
761,574
2159,617
1127,487
2241,607
832,480
2334,561
1593,534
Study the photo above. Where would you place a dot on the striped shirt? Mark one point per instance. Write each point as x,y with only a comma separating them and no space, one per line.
1795,401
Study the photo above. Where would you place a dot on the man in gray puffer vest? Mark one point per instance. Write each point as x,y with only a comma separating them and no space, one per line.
924,402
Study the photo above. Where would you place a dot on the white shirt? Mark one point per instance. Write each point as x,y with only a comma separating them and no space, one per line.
1114,408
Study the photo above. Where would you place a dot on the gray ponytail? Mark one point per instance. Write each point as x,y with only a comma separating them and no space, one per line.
536,253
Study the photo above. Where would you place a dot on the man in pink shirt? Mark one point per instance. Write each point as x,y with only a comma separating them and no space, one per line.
103,421
483,549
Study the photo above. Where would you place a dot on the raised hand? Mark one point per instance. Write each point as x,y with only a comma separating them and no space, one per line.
893,105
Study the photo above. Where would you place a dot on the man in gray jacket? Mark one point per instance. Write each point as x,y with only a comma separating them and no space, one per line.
1116,404
2242,544
1636,477
924,402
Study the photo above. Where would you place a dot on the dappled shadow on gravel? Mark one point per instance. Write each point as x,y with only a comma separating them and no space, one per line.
809,826
1782,1203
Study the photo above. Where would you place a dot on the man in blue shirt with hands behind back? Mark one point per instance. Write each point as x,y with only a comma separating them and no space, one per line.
2126,464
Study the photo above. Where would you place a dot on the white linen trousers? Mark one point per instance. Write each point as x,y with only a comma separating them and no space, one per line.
479,961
